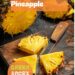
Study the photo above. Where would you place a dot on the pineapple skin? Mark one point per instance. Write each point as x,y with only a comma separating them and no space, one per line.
18,21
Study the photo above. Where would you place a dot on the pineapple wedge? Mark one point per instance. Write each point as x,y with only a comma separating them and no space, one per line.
57,9
31,60
33,44
51,61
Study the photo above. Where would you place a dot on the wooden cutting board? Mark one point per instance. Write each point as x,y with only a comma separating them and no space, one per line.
10,50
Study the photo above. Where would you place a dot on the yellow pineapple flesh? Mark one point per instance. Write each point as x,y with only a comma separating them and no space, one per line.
18,21
52,61
33,44
57,8
31,60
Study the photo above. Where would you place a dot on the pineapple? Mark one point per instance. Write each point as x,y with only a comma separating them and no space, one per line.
33,44
59,10
51,62
31,60
18,21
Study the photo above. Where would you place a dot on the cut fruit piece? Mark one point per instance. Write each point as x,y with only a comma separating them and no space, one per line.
70,12
18,21
51,62
56,8
72,1
31,60
33,44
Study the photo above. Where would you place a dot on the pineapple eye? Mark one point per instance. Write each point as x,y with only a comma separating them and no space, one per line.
44,37
49,73
61,56
12,11
11,16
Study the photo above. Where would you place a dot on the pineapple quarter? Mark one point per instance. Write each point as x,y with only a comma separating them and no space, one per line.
51,61
31,60
33,44
18,21
57,9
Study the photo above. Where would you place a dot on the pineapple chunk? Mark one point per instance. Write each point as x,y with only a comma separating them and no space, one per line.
52,61
31,60
56,8
33,44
